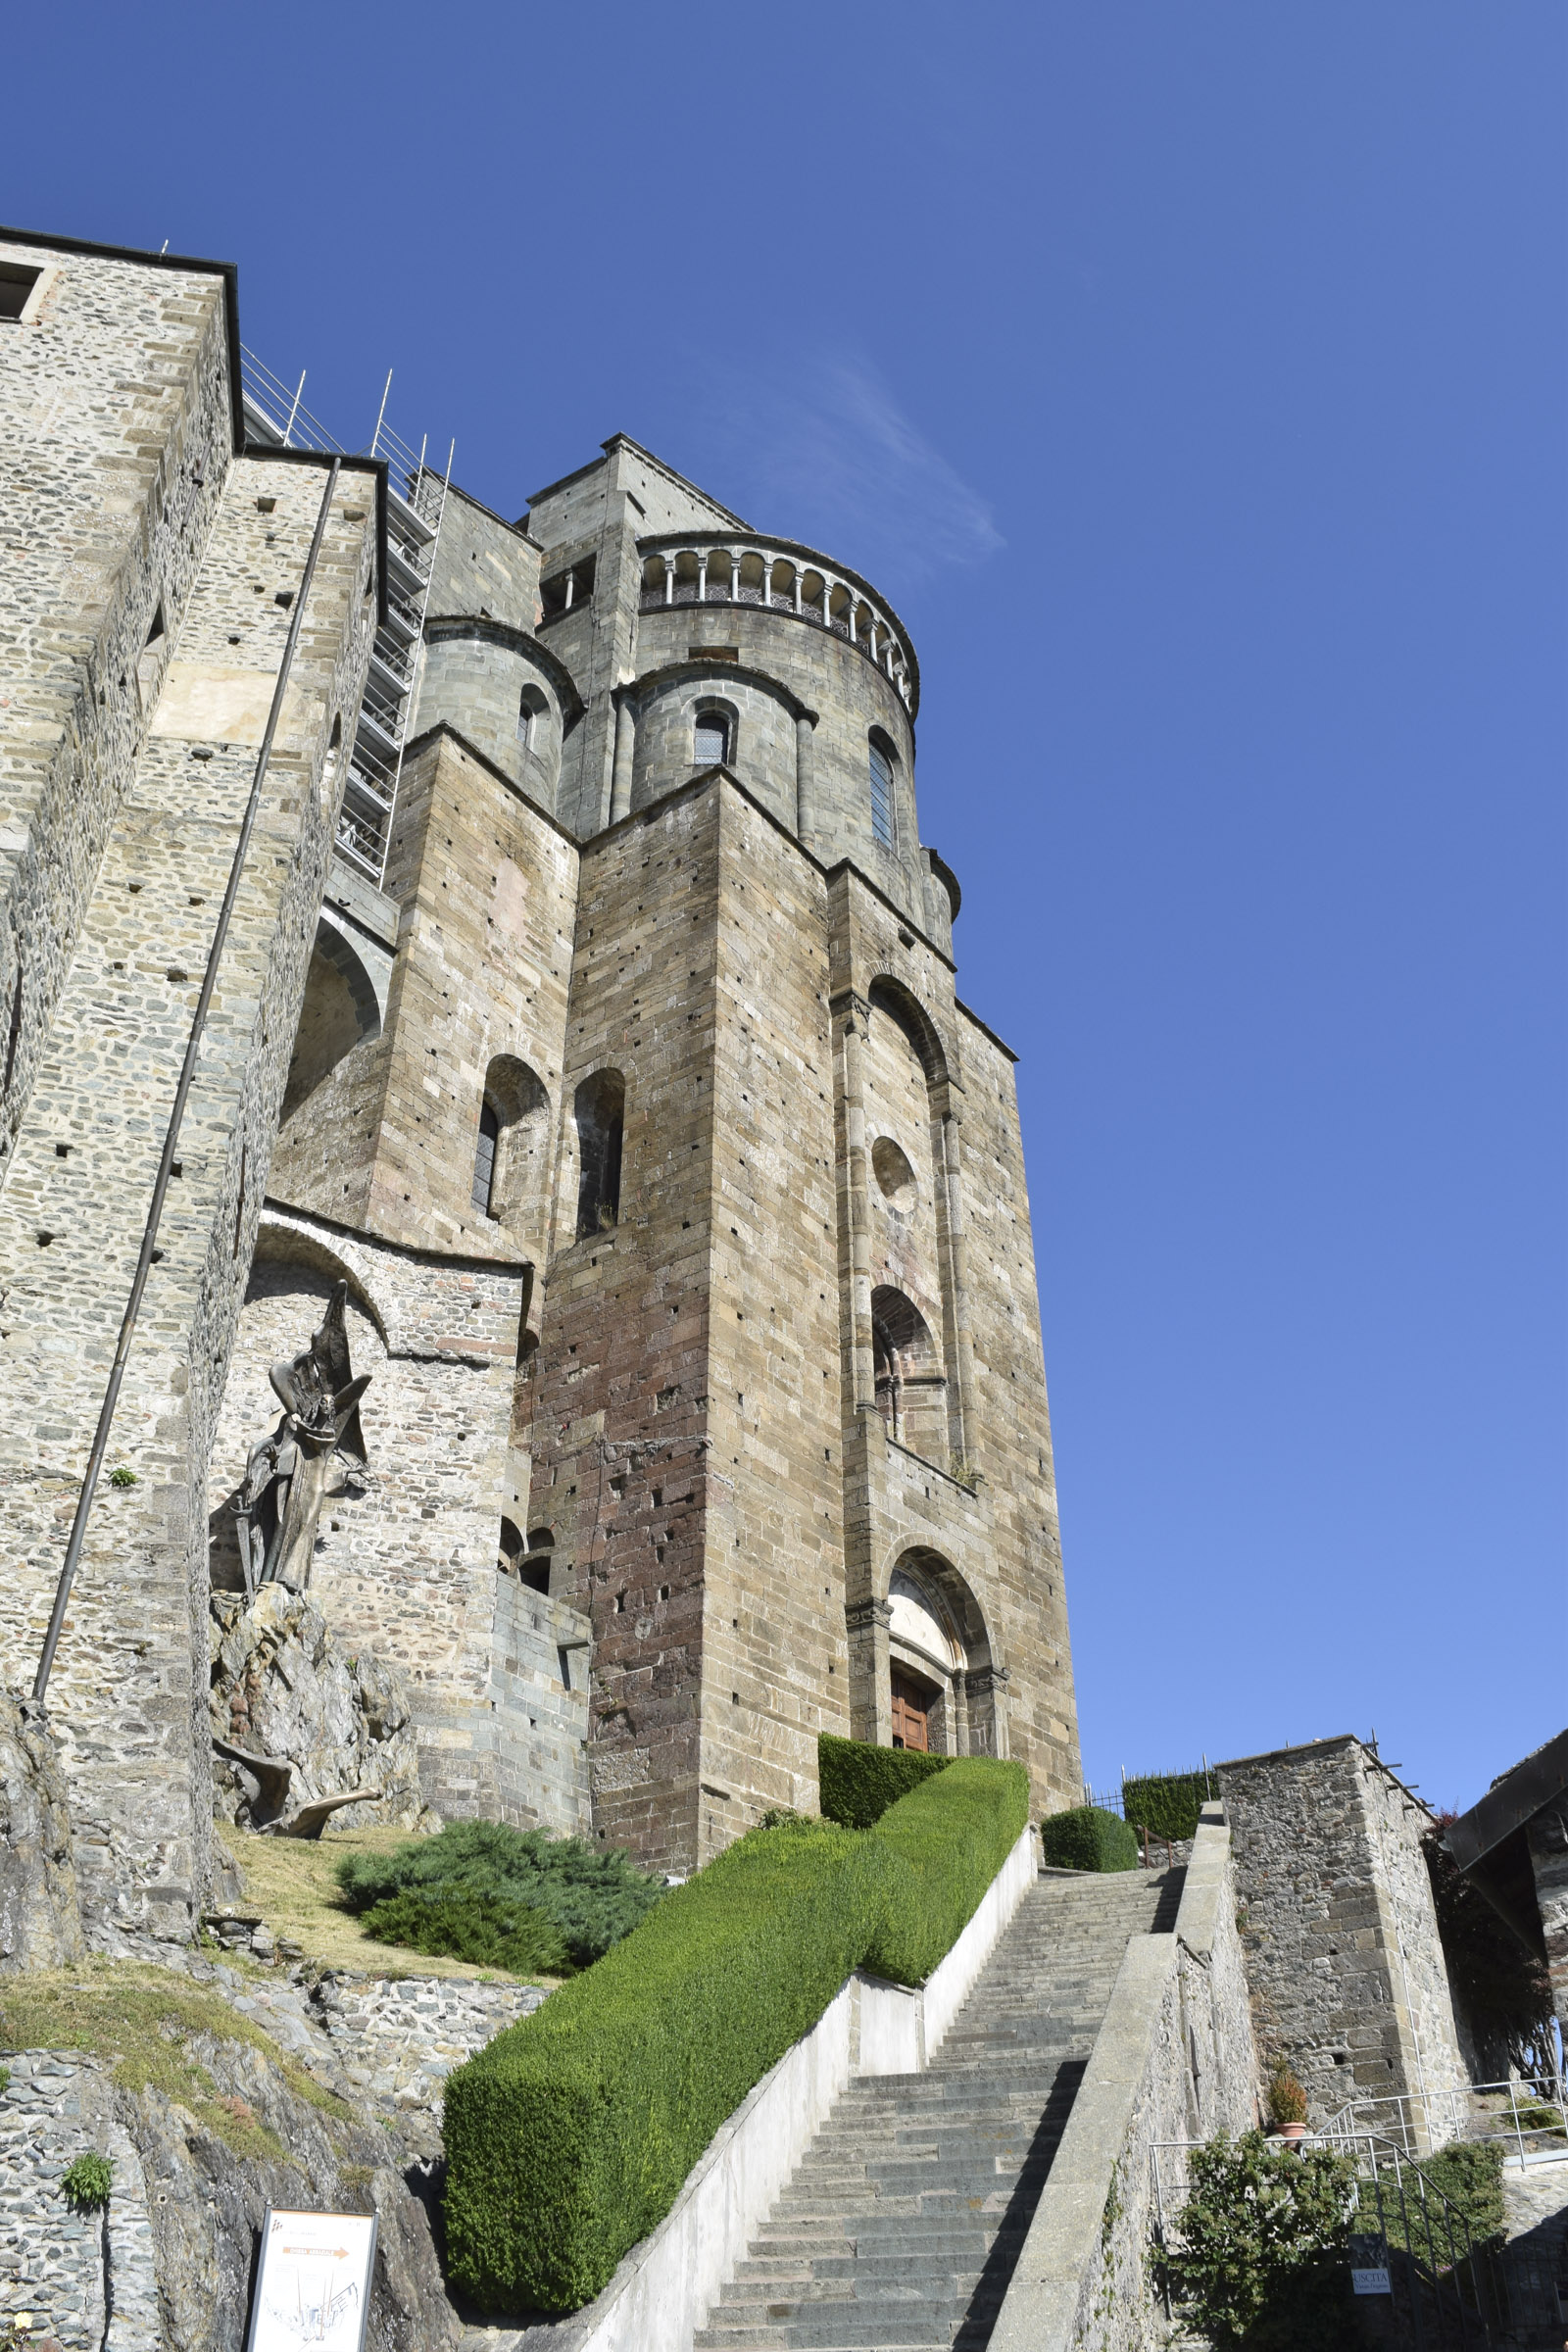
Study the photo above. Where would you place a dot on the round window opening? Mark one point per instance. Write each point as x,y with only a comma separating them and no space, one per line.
894,1174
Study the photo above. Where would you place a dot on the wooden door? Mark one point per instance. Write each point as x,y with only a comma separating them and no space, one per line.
910,1714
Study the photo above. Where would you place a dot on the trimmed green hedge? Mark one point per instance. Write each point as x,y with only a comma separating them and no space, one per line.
1166,1803
953,1833
567,2138
860,1782
1086,1837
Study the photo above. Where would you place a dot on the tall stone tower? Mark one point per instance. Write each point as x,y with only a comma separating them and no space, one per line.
673,1028
591,1018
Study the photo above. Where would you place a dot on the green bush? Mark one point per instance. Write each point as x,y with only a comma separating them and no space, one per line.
567,2138
1469,2176
89,2181
1166,1803
594,1897
1088,1838
954,1833
1261,2258
463,1928
860,1782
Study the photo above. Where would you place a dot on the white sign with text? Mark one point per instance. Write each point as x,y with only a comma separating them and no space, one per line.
313,2285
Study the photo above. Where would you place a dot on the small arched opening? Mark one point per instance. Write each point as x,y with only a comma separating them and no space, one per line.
910,1385
713,728
340,1011
600,1108
512,1145
883,761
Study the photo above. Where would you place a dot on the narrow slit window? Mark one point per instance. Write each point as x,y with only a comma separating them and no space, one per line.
484,1158
881,794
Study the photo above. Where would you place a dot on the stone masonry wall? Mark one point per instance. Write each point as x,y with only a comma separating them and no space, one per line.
128,1698
622,1452
405,1560
115,438
1343,1955
775,1660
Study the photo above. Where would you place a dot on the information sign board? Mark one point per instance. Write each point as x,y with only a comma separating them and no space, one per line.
1371,2283
312,2282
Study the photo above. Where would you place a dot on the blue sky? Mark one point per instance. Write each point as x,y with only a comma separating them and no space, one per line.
1193,380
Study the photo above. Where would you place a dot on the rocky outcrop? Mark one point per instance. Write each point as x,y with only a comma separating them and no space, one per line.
170,2261
309,1723
40,1919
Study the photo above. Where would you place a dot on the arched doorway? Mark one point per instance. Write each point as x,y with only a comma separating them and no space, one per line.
923,1664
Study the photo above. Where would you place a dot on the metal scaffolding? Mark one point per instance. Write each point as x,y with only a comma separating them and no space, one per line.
416,503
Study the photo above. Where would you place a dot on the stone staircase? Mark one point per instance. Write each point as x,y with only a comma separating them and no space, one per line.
902,2224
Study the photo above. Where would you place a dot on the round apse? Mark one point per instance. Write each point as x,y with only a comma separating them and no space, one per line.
894,1175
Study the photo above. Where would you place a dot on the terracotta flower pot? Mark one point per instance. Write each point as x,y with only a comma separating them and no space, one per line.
1293,2133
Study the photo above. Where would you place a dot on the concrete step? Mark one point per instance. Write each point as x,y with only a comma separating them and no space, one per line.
902,2224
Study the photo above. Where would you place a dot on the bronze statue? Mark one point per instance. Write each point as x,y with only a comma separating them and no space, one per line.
286,1475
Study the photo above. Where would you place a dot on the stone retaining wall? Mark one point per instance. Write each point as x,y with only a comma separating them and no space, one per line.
1173,2060
85,2279
398,2038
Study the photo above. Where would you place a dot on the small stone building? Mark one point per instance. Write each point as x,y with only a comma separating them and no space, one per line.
1339,1929
590,1011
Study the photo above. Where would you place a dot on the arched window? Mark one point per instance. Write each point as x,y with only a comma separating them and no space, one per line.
532,708
508,1166
534,1569
600,1106
485,1157
910,1390
882,762
710,742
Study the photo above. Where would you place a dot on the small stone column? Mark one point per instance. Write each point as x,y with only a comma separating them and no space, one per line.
852,1022
958,1266
669,579
625,754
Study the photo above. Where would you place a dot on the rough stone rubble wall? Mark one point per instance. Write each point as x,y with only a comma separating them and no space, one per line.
1549,1858
115,437
1342,1952
128,1696
86,2278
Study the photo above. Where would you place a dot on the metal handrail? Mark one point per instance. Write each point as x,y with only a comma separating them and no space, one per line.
1440,2116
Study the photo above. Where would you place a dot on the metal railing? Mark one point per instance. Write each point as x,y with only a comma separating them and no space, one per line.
1527,2115
276,418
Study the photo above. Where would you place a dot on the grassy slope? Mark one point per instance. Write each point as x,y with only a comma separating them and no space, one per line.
290,1880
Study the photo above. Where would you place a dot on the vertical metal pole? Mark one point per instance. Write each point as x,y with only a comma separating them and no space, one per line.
127,1326
381,413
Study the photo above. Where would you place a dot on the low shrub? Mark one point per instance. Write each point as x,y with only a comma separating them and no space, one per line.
1167,1803
1468,2172
593,1898
954,1833
569,2136
1088,1838
89,2182
1261,2258
461,1927
860,1782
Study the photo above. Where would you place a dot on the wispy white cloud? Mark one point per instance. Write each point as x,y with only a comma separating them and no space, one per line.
832,459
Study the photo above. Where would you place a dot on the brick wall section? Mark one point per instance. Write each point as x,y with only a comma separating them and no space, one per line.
128,1695
1343,1954
113,451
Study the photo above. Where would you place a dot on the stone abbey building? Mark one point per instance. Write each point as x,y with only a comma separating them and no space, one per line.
589,1011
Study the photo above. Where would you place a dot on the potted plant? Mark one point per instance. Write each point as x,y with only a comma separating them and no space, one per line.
1287,2103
